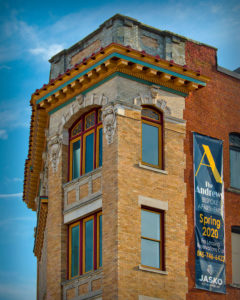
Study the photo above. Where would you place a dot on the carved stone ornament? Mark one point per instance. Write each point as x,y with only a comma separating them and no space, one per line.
44,177
54,145
82,102
153,99
109,122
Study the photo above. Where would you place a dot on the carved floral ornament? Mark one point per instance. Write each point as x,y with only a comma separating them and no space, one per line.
153,99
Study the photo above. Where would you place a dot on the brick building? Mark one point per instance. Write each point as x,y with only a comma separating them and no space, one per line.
110,165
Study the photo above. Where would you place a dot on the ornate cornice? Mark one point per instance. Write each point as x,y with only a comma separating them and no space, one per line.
41,224
114,59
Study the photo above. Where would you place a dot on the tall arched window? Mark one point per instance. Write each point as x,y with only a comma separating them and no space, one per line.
85,144
152,137
234,149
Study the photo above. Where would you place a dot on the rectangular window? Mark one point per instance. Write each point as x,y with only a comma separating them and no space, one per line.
150,142
234,149
152,236
85,245
89,152
74,249
88,239
76,159
236,255
235,168
152,137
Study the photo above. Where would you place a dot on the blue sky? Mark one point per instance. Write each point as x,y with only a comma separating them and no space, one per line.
30,33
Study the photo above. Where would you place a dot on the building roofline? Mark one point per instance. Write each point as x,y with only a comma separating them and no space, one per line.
228,72
127,22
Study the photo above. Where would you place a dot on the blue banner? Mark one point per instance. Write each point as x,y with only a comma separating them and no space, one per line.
209,214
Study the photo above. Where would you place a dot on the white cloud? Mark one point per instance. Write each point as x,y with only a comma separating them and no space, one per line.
17,179
15,220
10,119
5,67
16,195
47,52
3,134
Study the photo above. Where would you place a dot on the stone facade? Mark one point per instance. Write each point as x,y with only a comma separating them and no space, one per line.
123,184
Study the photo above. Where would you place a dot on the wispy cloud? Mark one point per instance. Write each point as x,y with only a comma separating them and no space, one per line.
16,195
13,118
15,220
47,52
5,67
3,134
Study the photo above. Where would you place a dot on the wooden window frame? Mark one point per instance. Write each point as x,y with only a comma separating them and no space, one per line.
96,242
234,147
159,125
162,237
82,137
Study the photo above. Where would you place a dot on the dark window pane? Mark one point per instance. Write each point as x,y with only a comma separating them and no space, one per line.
89,153
234,139
89,245
100,147
150,144
150,253
100,240
150,222
235,168
75,251
76,160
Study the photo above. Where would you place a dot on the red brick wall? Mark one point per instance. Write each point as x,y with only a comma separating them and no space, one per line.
215,111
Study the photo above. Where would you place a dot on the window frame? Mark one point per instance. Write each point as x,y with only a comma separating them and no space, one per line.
81,242
235,230
236,148
162,238
95,129
159,124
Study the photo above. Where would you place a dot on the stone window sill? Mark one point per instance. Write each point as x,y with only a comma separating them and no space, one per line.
152,169
143,268
235,285
92,273
233,190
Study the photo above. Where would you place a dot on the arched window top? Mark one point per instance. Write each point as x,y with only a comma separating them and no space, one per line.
151,113
85,143
234,139
234,151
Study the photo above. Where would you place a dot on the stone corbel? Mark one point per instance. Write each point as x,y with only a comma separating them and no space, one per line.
109,122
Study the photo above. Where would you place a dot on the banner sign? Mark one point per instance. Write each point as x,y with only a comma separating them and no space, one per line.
209,214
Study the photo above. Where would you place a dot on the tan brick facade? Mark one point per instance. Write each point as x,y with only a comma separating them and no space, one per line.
120,86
